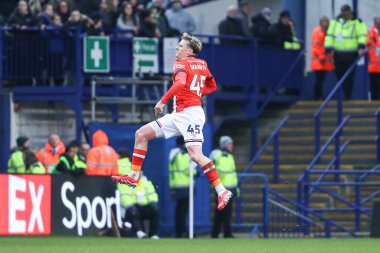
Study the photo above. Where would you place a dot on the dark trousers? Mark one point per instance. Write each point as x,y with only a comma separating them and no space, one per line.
343,61
181,210
136,215
222,217
318,85
375,85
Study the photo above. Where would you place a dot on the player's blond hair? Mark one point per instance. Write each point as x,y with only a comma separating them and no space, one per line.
193,42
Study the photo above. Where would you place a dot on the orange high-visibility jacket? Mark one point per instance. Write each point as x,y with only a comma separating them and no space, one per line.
373,44
320,61
49,156
101,159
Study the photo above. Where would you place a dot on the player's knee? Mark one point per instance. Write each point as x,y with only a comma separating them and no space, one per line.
139,135
195,157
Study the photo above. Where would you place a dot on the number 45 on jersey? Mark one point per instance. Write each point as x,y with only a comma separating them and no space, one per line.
197,84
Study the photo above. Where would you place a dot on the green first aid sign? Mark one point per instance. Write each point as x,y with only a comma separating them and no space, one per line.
96,54
145,55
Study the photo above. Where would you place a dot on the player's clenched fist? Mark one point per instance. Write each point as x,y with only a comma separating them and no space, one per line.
159,108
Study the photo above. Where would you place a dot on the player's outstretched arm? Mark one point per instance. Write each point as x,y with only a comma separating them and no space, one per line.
179,83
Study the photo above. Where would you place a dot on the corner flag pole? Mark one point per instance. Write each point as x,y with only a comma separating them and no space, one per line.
191,202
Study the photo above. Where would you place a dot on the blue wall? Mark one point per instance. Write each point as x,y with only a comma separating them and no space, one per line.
4,131
359,92
156,168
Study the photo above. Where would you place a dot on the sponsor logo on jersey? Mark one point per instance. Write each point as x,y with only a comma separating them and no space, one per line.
178,66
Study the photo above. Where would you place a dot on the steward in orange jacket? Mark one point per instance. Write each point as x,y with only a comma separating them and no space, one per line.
373,43
320,61
49,156
101,159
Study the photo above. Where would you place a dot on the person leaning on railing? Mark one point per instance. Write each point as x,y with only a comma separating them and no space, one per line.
346,36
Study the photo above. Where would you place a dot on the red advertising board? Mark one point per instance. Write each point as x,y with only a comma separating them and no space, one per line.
25,202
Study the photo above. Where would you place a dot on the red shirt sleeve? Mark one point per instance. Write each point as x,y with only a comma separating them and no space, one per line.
179,82
210,86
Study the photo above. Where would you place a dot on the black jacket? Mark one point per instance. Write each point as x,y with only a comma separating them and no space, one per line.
17,19
260,28
281,33
233,27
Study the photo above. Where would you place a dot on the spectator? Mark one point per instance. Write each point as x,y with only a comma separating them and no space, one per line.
320,61
161,20
179,18
124,161
49,156
67,163
56,48
136,7
32,164
127,20
243,15
225,164
78,21
346,36
70,4
21,18
16,162
373,43
80,158
64,11
108,14
36,6
283,30
140,204
95,25
46,16
179,180
148,27
261,26
231,26
102,158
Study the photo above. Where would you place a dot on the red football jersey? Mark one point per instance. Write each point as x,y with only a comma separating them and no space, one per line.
199,81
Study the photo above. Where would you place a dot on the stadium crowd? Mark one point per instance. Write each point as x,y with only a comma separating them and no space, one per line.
145,18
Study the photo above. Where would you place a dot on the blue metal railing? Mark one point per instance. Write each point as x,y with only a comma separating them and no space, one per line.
303,196
317,114
265,190
300,208
357,206
329,166
272,138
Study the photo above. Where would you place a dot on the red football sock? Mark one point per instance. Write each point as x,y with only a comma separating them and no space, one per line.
211,173
138,159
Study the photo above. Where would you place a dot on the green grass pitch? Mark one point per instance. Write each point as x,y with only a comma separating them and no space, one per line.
123,245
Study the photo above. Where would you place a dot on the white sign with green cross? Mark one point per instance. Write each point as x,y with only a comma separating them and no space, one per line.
96,57
145,55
